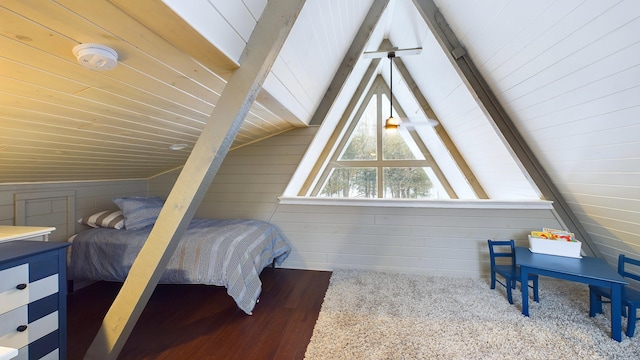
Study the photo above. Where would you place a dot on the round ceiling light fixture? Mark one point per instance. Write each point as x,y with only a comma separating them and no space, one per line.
96,56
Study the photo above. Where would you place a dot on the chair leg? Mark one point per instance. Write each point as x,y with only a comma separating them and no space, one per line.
493,280
509,296
535,290
595,303
631,321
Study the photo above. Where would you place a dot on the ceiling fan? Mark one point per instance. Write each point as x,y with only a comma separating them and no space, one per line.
395,51
393,123
415,124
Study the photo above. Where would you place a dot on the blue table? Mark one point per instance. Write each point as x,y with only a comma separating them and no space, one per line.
588,270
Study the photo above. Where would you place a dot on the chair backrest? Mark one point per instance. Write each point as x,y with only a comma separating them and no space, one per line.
501,249
624,270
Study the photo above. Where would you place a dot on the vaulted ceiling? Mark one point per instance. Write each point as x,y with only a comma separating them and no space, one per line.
564,72
63,122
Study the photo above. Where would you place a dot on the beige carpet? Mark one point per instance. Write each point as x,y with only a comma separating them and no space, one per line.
369,315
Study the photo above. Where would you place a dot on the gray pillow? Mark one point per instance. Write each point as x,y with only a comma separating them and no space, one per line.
139,211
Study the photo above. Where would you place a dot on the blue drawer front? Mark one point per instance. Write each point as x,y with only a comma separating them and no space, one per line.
43,307
43,346
44,259
42,266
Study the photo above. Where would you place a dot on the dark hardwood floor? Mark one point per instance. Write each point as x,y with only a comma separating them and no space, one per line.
203,322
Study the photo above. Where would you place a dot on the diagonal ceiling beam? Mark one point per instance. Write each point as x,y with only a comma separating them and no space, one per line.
440,130
349,61
335,135
476,84
199,170
272,104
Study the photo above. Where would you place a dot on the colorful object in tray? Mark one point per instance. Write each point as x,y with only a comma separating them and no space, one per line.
553,234
555,242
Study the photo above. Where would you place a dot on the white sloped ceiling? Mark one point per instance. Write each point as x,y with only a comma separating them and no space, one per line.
567,73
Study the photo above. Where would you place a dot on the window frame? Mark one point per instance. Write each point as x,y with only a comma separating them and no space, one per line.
378,89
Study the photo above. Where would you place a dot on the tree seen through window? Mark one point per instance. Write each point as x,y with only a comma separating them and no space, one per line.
373,163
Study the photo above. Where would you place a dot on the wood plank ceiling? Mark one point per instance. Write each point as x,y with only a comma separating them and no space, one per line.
565,71
63,122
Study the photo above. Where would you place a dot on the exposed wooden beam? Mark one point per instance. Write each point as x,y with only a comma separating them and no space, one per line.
335,135
478,87
200,168
349,61
267,100
440,130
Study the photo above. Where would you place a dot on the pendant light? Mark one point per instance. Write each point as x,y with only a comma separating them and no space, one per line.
391,123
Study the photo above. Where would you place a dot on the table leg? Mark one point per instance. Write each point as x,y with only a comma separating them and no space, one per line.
616,311
524,284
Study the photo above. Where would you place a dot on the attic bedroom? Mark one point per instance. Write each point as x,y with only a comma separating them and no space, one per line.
513,117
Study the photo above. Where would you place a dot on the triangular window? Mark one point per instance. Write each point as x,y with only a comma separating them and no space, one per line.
371,162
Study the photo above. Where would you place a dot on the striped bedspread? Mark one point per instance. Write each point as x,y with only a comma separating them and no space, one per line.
229,253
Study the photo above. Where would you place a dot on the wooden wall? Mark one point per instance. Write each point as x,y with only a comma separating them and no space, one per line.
433,241
250,179
47,204
442,241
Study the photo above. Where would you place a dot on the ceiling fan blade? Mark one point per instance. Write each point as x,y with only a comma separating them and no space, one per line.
398,52
420,123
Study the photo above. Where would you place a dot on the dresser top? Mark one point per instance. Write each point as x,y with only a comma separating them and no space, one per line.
15,250
7,353
22,232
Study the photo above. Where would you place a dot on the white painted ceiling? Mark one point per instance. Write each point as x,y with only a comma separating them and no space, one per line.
565,71
568,75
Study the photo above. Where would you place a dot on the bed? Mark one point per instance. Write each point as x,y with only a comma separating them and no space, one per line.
222,252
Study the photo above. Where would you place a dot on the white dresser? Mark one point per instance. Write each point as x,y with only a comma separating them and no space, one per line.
36,233
33,302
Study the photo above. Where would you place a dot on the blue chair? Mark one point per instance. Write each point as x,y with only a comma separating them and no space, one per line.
630,297
509,271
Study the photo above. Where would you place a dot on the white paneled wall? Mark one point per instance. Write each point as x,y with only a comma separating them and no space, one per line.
90,197
250,179
450,242
441,241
